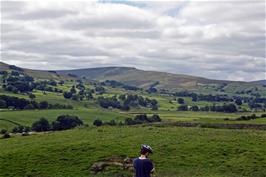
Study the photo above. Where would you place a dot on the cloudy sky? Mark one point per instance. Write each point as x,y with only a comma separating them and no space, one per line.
214,39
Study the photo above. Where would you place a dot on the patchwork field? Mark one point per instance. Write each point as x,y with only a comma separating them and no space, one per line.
183,146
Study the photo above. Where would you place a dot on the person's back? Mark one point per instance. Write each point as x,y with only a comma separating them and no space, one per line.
143,166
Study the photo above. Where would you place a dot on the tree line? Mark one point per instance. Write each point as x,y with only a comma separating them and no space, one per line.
228,108
12,102
138,119
125,101
253,102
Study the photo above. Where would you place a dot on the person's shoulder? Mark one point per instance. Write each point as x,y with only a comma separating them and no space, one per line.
148,161
135,159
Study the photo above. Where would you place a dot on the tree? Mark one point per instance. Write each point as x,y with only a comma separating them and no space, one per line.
14,73
29,106
100,89
41,125
75,97
180,101
238,101
6,135
98,123
20,129
3,104
154,107
129,121
89,95
52,82
43,105
73,90
61,82
125,107
32,96
141,118
155,118
152,90
3,131
230,107
183,108
112,122
67,95
194,108
64,122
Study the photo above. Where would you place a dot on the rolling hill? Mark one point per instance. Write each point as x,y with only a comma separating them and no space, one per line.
140,78
40,74
160,80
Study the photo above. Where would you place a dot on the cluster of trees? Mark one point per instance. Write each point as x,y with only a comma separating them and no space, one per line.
115,84
79,92
249,91
138,119
19,82
142,118
12,102
109,102
99,90
48,85
250,117
254,103
63,122
16,81
152,88
21,129
112,122
137,100
200,97
124,102
13,67
229,108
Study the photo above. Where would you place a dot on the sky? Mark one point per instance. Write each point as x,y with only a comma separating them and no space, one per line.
214,39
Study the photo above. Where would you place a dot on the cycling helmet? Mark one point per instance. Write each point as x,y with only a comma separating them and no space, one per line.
147,148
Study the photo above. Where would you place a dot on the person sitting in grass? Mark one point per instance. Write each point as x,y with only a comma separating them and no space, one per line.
142,165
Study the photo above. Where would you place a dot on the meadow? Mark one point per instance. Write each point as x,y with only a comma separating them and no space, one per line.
178,152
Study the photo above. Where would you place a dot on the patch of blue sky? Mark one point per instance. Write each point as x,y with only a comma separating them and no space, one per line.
175,10
126,2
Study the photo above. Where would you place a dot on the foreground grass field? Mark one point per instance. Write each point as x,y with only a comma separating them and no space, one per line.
178,152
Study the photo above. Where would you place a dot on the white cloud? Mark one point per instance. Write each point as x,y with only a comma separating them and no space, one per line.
215,39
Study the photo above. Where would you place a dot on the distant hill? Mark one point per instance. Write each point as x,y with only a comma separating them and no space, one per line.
263,82
141,78
40,74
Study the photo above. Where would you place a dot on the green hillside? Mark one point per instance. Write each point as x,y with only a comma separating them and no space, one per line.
34,73
226,140
168,81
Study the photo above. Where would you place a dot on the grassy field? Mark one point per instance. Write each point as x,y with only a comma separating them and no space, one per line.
27,117
178,152
88,115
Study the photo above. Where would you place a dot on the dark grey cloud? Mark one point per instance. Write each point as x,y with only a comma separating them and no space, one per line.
218,39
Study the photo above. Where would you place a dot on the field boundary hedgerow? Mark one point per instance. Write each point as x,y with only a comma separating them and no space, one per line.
213,125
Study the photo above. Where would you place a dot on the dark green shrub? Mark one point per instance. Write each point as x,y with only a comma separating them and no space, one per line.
41,125
98,123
